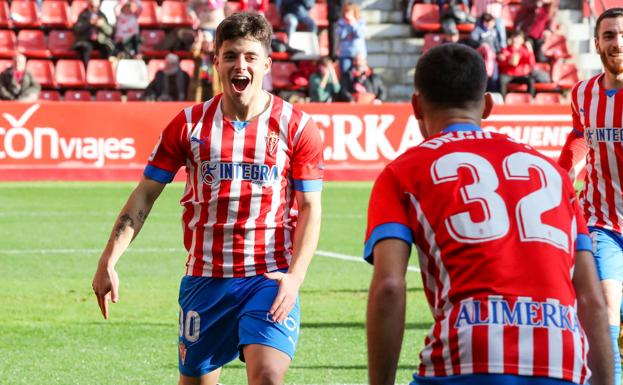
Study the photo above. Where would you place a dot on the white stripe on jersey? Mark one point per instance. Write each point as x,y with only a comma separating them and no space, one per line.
495,341
304,119
525,348
612,161
283,136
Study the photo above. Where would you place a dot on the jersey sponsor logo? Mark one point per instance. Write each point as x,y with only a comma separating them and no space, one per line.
262,174
601,135
272,140
521,313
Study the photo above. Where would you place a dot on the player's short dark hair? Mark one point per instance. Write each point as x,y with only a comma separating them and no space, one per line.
451,75
607,14
244,25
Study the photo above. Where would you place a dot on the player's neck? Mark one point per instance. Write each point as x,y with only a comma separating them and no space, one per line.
437,123
233,110
612,81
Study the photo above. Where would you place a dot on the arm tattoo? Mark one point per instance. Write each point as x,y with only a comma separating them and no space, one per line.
125,220
142,215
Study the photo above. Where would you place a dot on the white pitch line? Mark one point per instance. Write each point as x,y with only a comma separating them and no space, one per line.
322,253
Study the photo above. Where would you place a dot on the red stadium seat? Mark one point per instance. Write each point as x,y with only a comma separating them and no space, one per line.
5,15
273,16
77,6
8,45
517,98
188,66
55,14
60,43
555,47
550,86
565,75
5,63
50,95
149,15
77,96
25,14
425,18
100,74
70,73
547,98
281,75
31,42
108,96
135,95
319,13
517,87
174,14
42,71
432,40
150,39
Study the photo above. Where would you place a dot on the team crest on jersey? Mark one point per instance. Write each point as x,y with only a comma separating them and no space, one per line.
182,352
272,140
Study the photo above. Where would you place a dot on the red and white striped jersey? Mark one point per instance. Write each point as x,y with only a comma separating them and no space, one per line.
598,116
496,228
239,202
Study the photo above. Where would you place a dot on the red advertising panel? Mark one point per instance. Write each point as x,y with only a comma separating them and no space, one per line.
112,141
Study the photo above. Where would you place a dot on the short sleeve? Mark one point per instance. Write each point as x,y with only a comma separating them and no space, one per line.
387,213
576,118
169,154
307,160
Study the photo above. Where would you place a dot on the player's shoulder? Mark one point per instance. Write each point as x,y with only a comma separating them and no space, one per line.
583,84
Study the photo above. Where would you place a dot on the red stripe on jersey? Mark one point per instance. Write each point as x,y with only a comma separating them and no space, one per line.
541,352
568,355
511,348
584,370
437,348
204,153
617,121
245,199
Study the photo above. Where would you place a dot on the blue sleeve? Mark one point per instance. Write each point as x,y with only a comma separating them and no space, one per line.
386,230
583,243
312,185
158,174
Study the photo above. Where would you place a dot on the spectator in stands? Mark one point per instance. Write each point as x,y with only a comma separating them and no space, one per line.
297,11
516,63
494,8
324,85
260,6
360,82
486,32
334,13
536,20
206,16
93,31
170,83
453,12
127,37
16,83
351,29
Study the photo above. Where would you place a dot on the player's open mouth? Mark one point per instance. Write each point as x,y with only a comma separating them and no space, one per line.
240,83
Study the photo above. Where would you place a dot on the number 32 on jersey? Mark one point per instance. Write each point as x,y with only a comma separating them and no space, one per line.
496,223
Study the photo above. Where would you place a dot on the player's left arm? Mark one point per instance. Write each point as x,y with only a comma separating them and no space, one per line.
307,174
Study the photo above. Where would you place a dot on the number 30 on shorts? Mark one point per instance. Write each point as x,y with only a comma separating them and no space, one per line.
190,324
483,191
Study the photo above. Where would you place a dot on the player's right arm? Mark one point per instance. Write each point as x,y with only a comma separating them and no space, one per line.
574,149
165,160
126,228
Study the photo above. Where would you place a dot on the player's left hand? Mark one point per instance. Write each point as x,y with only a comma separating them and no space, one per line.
286,296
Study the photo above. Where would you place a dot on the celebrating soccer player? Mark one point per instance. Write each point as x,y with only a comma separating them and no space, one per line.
597,108
254,169
502,245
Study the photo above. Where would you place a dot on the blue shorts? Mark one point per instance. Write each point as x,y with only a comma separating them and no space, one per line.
219,316
608,251
487,379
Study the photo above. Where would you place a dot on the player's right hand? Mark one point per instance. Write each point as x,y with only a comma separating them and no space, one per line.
106,287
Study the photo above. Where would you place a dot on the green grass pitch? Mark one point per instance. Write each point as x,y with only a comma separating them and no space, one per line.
51,330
